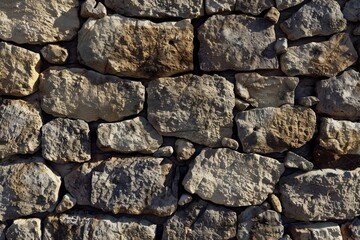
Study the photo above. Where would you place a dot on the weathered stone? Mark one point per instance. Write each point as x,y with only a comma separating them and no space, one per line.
309,101
321,195
339,96
65,140
254,7
284,4
158,8
134,135
315,231
256,223
219,6
184,149
20,124
237,42
79,225
281,46
351,230
351,10
316,18
292,160
286,237
272,15
66,203
55,54
166,151
230,143
241,105
266,130
93,9
2,233
184,199
142,185
356,31
275,203
24,229
177,108
38,22
316,59
28,186
88,95
219,175
338,144
201,220
261,91
158,50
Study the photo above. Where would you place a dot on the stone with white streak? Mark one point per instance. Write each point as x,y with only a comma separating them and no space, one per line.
219,6
24,229
315,231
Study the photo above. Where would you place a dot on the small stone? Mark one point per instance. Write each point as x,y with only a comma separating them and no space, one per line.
292,160
286,237
318,59
309,101
208,177
356,31
93,9
241,105
66,203
66,140
351,10
253,7
316,18
351,230
275,202
134,135
184,199
20,69
272,15
184,149
164,152
24,229
55,54
230,143
315,231
281,46
284,4
219,6
261,91
265,206
2,233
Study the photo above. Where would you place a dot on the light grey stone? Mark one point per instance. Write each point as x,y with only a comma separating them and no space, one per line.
292,160
184,199
275,203
351,230
284,4
281,46
253,7
219,6
241,105
272,15
166,151
230,143
184,149
55,54
351,10
66,203
309,101
315,231
93,9
218,175
24,229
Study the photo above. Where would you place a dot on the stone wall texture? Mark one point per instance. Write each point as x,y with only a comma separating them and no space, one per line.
179,119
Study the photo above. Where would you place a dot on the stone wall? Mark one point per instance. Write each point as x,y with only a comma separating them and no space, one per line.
201,119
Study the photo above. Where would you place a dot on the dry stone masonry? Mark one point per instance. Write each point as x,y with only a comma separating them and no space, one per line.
183,119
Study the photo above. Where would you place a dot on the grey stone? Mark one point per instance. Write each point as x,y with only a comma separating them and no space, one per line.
292,160
230,143
254,7
281,46
158,50
241,105
184,149
351,10
66,140
356,31
275,203
177,108
272,15
321,195
237,42
134,135
266,130
286,237
317,59
20,124
93,9
219,6
309,101
45,21
2,233
24,229
66,203
261,91
351,230
166,151
55,54
315,231
184,199
284,4
219,175
88,95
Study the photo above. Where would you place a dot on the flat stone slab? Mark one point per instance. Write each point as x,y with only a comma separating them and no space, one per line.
317,231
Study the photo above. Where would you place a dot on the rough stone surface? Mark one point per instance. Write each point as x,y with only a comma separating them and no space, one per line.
272,15
292,160
308,101
254,7
201,220
88,95
237,42
20,124
351,230
184,149
281,46
351,10
177,108
316,59
79,225
185,199
267,130
2,233
28,186
93,9
230,178
158,50
339,96
241,105
261,91
55,54
66,203
65,140
166,151
219,6
315,231
284,4
230,143
356,31
256,223
24,229
321,195
36,22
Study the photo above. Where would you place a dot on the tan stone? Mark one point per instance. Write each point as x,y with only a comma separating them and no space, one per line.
272,15
315,231
275,202
184,149
55,54
66,203
24,229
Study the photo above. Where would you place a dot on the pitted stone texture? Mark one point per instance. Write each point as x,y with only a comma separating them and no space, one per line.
254,7
321,195
66,203
201,220
351,10
315,231
142,185
158,8
24,229
284,4
20,124
28,186
136,48
230,143
261,91
351,230
340,96
272,15
66,140
257,223
219,6
88,95
184,149
230,178
177,108
37,22
316,18
266,130
237,42
55,54
317,59
19,70
91,8
80,225
134,135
